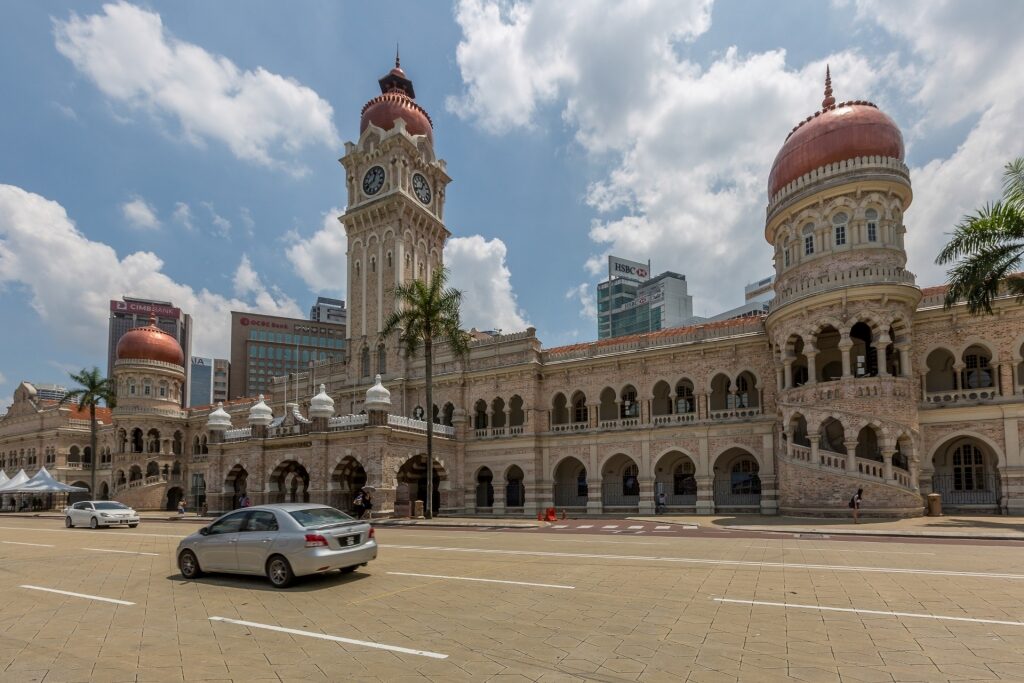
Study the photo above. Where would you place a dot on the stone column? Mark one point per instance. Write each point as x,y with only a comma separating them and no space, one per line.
905,370
815,439
769,495
958,368
595,414
705,495
646,505
498,508
780,377
845,346
1005,379
787,373
594,489
812,371
887,463
880,346
851,454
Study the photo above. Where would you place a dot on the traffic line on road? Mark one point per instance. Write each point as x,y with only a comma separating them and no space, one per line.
636,527
130,534
38,545
790,605
610,526
560,526
336,639
468,578
77,595
585,526
126,552
727,563
662,528
600,540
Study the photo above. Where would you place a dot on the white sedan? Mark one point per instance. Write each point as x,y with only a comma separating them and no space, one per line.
97,513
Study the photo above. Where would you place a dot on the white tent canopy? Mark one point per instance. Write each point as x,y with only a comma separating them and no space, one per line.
4,478
12,484
44,483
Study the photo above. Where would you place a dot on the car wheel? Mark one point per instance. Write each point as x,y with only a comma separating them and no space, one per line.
68,523
93,524
188,563
132,526
279,571
349,570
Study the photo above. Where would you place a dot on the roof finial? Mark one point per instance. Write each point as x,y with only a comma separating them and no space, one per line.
398,61
829,100
152,318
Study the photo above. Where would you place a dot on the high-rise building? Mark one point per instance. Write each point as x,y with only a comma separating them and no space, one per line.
50,392
209,381
631,302
265,346
327,310
130,312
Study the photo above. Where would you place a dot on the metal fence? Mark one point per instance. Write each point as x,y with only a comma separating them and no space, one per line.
983,490
746,491
613,493
571,495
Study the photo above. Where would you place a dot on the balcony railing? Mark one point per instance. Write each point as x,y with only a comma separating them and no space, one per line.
570,427
238,434
961,395
676,418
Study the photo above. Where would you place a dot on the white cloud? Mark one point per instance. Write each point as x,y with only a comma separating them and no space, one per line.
72,278
183,215
262,117
584,293
321,259
478,269
3,378
246,280
222,226
247,221
140,214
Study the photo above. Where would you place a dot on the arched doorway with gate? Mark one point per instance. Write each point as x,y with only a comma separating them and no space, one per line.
289,483
346,479
174,496
236,487
966,474
413,475
571,488
515,490
485,488
737,480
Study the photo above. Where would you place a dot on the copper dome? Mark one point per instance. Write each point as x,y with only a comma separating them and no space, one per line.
396,101
150,343
838,132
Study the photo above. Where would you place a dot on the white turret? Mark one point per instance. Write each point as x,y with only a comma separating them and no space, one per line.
321,405
218,420
377,397
260,415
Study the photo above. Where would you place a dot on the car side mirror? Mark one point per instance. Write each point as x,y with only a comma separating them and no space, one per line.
204,531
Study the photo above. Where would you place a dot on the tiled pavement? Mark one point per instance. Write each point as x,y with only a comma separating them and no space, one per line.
641,608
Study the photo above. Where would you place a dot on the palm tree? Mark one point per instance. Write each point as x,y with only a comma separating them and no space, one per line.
427,313
92,389
989,248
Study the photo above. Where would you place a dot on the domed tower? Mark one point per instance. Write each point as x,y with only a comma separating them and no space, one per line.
149,377
840,323
394,217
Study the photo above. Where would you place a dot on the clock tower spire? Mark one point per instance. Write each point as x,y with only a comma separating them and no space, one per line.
394,218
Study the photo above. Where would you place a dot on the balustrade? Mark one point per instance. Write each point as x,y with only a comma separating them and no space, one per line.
958,395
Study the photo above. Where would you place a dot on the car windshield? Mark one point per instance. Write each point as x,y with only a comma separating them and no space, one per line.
110,506
316,517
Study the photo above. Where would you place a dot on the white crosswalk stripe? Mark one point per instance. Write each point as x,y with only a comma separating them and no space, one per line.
585,526
637,527
560,526
661,528
610,526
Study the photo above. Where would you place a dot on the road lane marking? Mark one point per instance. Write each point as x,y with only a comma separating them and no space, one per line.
130,534
610,526
791,605
585,526
336,639
38,545
467,578
728,563
636,527
560,526
661,528
126,552
597,540
77,595
834,550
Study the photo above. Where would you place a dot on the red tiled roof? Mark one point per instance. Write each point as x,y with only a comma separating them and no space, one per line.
660,334
938,289
102,414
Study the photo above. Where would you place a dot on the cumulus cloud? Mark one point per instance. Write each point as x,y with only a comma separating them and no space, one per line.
72,278
691,143
183,216
140,214
584,294
320,260
221,225
478,268
260,116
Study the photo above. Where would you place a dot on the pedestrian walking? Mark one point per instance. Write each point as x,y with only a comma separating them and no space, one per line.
367,505
181,507
855,505
357,504
662,503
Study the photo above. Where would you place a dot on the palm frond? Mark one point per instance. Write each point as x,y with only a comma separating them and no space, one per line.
1013,183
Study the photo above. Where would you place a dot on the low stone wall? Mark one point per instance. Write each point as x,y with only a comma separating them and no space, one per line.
825,493
152,497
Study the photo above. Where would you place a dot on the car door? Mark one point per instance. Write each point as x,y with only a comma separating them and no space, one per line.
255,541
84,513
216,550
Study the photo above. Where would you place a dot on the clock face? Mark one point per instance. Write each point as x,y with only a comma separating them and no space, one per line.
421,188
373,180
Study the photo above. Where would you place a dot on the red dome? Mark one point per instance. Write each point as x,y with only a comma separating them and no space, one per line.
382,111
150,343
836,133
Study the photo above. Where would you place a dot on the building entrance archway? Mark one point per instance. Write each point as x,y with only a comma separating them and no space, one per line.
346,479
413,473
289,483
966,474
236,486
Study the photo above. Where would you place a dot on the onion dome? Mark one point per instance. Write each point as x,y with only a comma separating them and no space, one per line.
377,397
218,420
150,343
838,132
321,405
396,102
260,415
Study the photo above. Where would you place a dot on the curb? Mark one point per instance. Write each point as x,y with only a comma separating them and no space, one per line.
451,525
162,520
882,534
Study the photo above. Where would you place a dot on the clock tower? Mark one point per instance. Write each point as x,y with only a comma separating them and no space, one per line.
394,219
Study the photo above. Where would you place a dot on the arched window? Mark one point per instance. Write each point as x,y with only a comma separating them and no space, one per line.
976,374
147,388
968,468
131,387
785,252
163,389
630,482
808,233
389,260
683,481
871,216
579,410
364,362
382,359
744,477
839,222
373,264
684,398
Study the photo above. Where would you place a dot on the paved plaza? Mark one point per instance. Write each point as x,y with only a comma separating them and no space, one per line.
541,604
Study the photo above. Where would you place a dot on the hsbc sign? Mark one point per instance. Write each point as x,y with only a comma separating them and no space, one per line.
633,270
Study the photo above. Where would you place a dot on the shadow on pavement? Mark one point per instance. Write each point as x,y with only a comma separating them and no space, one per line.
303,584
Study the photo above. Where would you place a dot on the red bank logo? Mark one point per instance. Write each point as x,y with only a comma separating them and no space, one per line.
246,322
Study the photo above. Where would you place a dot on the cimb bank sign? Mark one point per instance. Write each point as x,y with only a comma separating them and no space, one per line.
634,270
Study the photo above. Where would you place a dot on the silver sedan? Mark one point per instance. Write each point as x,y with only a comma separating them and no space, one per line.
279,541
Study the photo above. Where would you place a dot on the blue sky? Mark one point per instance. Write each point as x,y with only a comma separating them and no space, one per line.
189,150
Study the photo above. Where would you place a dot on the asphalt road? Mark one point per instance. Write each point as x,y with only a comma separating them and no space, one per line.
572,603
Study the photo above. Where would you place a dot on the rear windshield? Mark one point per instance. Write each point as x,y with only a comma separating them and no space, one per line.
314,517
110,506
